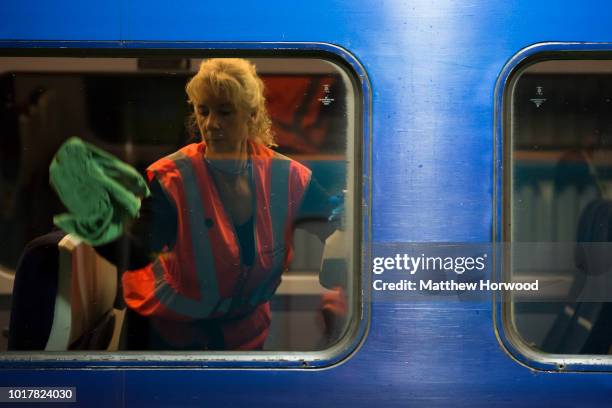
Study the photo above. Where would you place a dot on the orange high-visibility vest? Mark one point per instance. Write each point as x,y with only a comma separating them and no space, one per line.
202,277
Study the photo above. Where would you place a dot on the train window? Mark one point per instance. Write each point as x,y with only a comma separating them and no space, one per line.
558,207
195,204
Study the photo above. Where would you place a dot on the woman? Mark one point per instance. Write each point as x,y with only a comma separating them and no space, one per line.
219,223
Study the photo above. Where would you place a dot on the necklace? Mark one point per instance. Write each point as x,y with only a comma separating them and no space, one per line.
245,166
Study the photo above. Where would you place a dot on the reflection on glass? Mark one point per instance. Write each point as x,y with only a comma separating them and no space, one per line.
561,205
248,168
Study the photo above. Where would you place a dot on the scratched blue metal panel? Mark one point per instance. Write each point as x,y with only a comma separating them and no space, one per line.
60,20
433,67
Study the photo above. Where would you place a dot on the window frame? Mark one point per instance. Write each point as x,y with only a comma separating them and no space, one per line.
357,328
504,328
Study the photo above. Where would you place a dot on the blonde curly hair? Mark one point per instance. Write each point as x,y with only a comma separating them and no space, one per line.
236,79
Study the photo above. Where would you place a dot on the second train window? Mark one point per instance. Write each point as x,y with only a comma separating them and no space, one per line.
559,217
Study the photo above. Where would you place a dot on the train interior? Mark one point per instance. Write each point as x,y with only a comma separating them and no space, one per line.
561,186
136,109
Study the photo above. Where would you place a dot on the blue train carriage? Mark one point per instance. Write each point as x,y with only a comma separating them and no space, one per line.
452,130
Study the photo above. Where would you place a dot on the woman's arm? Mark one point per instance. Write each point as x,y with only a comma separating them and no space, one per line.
316,211
153,231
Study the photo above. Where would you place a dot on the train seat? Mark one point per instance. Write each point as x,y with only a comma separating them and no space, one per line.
63,298
84,317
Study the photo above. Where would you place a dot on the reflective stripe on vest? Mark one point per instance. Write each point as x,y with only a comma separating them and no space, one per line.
201,250
279,203
210,301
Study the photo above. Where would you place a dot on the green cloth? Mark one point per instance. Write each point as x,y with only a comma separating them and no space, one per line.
100,191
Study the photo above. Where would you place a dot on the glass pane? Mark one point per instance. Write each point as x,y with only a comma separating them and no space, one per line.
561,166
200,267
